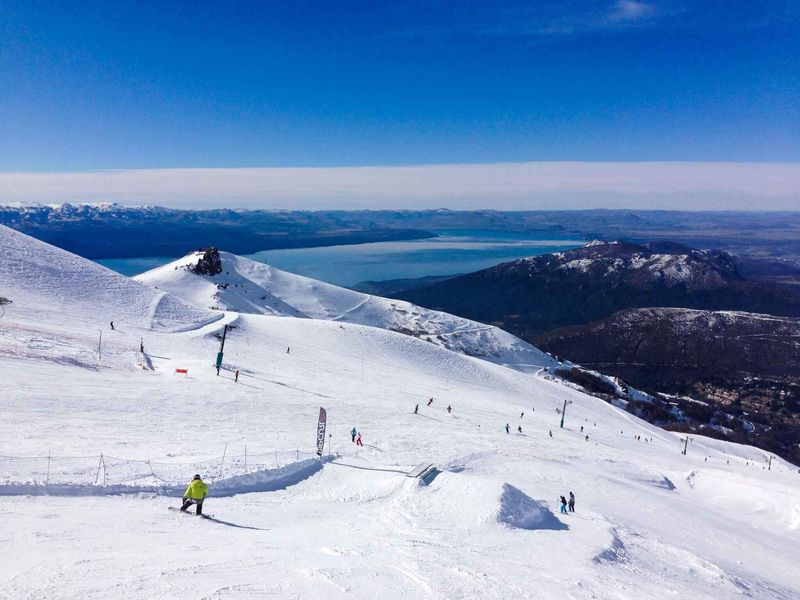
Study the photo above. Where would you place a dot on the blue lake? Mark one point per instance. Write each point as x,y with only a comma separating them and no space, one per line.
453,252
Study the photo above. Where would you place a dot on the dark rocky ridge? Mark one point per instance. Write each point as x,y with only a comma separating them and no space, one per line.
534,295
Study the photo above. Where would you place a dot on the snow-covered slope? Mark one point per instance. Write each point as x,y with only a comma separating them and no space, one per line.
39,278
251,287
92,453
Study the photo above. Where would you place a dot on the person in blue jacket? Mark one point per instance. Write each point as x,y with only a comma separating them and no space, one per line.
353,433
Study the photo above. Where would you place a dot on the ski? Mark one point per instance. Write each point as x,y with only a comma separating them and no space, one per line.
186,512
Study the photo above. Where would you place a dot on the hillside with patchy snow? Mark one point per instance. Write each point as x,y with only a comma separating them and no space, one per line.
242,285
92,453
534,295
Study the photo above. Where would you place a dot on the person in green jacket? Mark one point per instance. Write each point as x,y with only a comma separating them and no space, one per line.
195,494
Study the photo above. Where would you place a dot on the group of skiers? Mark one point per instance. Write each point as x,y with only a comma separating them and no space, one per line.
430,401
356,435
570,504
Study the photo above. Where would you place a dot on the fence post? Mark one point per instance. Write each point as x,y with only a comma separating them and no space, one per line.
222,462
99,466
47,478
149,464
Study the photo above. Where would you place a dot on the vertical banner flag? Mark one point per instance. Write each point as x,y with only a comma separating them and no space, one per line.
323,417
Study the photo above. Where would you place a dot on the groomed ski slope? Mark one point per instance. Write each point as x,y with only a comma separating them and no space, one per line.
650,523
247,286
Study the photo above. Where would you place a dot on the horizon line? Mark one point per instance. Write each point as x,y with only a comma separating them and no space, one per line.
533,185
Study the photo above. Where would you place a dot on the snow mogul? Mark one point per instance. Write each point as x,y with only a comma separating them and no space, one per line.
195,494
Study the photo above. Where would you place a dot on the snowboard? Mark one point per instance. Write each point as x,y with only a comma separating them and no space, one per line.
186,512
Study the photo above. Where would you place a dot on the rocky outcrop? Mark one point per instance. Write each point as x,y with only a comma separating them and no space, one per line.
210,263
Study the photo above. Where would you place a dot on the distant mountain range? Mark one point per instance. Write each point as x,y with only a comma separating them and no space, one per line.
115,231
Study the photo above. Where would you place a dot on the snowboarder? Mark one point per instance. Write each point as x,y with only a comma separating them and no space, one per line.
112,325
563,505
236,377
195,494
507,428
416,409
449,408
571,502
519,428
430,401
358,439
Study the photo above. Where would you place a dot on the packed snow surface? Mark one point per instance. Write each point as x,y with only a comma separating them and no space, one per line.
649,522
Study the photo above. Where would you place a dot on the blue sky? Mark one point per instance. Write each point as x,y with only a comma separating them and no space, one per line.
144,85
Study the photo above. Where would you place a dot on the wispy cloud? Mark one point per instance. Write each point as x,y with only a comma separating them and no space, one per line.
532,185
630,11
540,19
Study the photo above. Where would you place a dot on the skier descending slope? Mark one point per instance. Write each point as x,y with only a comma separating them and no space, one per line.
195,494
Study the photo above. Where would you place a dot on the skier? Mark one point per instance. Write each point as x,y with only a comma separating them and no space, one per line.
587,437
551,433
449,408
430,401
195,494
353,433
519,428
358,439
507,427
416,409
112,325
522,414
563,505
581,428
571,502
236,377
288,350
